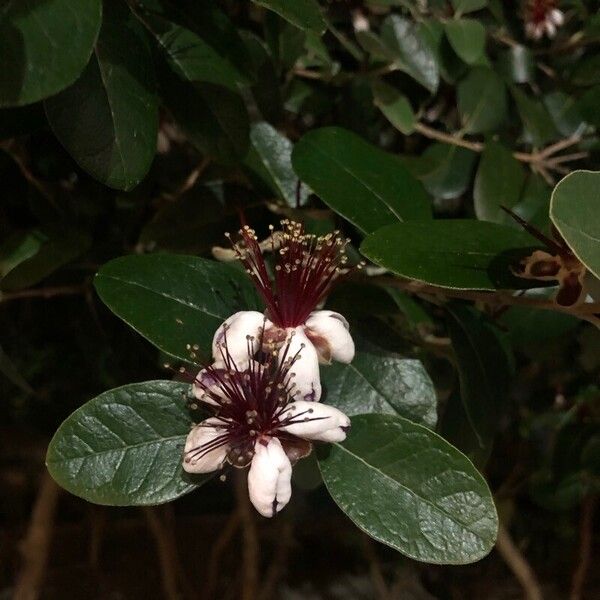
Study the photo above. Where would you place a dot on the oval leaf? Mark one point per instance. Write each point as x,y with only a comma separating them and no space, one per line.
366,185
124,447
44,46
108,119
574,211
482,101
460,254
467,37
305,14
173,300
410,489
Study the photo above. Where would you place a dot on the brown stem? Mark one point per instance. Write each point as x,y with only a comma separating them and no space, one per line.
517,563
585,547
375,568
47,292
218,548
278,564
36,544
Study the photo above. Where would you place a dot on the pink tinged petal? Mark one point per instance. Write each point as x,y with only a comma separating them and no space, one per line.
239,326
319,422
206,382
557,17
306,378
334,329
195,459
269,478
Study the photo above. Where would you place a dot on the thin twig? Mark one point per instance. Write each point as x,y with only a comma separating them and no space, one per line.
375,568
218,548
516,562
47,292
279,561
588,508
36,544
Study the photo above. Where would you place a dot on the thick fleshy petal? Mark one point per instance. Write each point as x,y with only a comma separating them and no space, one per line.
557,17
236,330
333,329
269,478
316,421
305,369
195,458
206,382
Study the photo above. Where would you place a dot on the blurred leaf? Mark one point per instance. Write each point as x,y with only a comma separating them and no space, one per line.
125,446
413,311
214,118
587,71
565,113
27,258
270,157
395,107
482,101
499,181
574,212
408,488
198,40
450,171
484,368
536,119
534,203
305,14
174,300
381,382
12,373
517,64
367,186
460,254
587,106
108,119
44,46
412,53
452,68
467,37
466,6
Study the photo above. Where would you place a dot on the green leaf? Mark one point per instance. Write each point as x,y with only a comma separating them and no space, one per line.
198,40
214,118
450,173
499,181
517,64
305,14
27,258
565,113
367,186
381,382
395,107
410,489
536,120
124,447
108,119
411,51
174,300
44,46
459,254
482,101
270,157
574,212
484,369
466,6
467,37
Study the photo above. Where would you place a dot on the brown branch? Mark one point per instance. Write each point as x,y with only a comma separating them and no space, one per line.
218,549
517,563
251,548
279,561
585,547
375,568
36,544
47,292
448,138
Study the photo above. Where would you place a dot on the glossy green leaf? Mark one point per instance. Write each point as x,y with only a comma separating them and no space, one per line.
174,300
467,38
450,172
411,51
198,40
482,101
461,254
517,64
270,158
305,14
381,382
536,120
410,489
574,212
466,6
108,119
395,107
124,447
44,46
484,368
367,186
499,181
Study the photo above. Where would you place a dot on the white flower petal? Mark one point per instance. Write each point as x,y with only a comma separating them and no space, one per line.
239,326
269,478
316,421
200,435
334,329
557,17
550,28
306,366
205,381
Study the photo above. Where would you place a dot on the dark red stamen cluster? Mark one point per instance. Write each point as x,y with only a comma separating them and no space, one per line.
305,269
537,11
